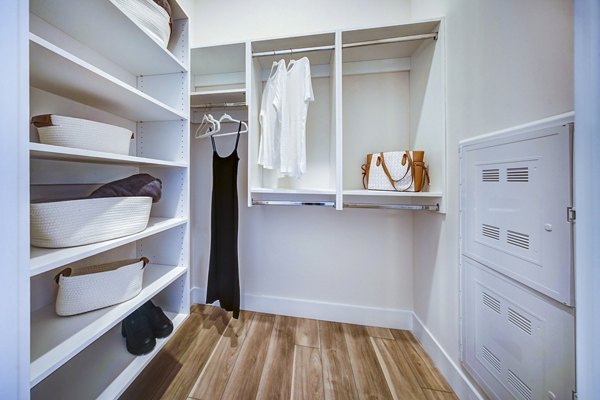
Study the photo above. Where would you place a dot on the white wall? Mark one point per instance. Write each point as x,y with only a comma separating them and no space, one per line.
307,259
587,192
14,202
509,62
216,22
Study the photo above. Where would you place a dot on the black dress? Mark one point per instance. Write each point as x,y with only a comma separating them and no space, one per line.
223,278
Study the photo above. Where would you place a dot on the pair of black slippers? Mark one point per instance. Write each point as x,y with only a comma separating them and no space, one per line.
143,326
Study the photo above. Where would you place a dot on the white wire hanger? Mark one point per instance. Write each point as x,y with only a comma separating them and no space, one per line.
207,127
225,118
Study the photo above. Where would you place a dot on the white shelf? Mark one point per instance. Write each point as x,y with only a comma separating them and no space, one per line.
42,260
217,96
293,191
363,192
103,370
103,27
49,152
57,71
54,339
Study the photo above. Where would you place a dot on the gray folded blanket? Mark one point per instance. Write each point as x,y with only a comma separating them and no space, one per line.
135,185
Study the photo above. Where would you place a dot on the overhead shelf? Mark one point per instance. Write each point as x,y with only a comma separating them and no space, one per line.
57,71
48,152
103,370
102,26
42,260
219,96
55,339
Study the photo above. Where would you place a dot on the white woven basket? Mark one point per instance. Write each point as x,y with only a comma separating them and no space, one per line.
78,222
98,286
85,134
149,16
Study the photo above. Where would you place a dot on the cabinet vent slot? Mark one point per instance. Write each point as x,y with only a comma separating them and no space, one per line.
518,239
520,321
491,302
491,175
493,232
520,174
491,358
519,385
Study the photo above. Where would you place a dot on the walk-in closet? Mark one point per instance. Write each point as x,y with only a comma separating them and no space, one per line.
388,199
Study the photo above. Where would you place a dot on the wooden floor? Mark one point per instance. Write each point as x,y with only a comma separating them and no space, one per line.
262,356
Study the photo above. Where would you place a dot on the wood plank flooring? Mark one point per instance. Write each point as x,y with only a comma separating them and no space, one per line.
261,356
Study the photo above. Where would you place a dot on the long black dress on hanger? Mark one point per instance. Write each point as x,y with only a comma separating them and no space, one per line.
223,278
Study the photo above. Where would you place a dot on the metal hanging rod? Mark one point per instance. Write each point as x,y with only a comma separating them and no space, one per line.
392,40
416,207
292,203
292,51
346,45
220,105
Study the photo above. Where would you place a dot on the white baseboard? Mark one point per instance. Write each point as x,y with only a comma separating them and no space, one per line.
352,314
458,380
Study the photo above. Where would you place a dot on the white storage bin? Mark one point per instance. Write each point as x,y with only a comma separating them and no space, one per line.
80,133
78,222
150,17
98,286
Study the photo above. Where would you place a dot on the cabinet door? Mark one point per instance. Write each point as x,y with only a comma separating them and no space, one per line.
516,195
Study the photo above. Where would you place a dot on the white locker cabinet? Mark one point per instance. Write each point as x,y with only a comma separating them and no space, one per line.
516,344
516,196
516,261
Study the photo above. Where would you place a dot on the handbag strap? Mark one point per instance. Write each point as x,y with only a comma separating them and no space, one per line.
425,171
393,182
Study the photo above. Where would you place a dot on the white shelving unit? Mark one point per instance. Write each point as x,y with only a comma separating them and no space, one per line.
352,84
90,60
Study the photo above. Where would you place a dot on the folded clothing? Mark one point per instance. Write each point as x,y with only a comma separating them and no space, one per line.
135,185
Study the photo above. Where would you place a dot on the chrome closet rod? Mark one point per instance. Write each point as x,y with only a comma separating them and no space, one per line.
213,105
346,45
292,203
417,207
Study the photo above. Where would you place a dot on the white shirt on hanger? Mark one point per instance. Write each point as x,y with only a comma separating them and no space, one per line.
270,117
298,94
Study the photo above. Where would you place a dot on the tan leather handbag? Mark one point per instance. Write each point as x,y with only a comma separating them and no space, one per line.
401,171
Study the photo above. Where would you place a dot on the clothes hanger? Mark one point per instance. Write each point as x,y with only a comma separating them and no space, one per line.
225,118
208,126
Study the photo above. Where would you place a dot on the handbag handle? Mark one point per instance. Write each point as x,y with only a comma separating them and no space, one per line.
393,182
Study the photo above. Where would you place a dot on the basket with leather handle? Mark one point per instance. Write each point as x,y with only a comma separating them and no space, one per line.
400,171
98,286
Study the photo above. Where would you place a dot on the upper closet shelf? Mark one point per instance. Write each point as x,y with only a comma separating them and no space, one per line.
57,71
218,96
103,27
42,260
49,152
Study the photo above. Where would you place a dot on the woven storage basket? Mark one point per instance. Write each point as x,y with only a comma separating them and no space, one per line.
58,130
78,222
150,17
98,286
